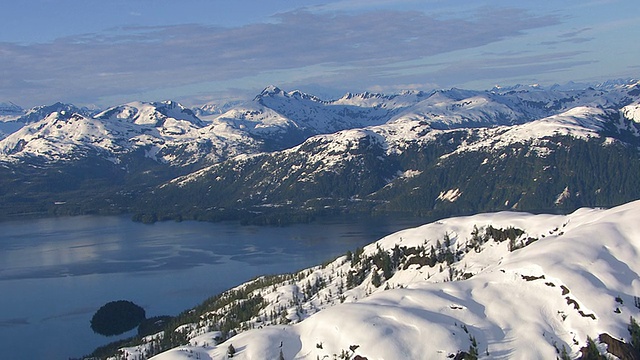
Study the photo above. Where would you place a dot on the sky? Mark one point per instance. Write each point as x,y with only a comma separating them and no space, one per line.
105,53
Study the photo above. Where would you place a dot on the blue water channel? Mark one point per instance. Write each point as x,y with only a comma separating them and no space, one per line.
56,272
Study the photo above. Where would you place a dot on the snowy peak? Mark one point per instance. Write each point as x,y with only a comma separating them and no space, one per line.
61,135
211,110
617,83
59,132
40,112
455,94
271,90
456,109
152,114
313,116
375,100
277,119
521,87
361,96
274,97
167,132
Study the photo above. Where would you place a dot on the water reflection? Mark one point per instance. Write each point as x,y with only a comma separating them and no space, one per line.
13,322
54,273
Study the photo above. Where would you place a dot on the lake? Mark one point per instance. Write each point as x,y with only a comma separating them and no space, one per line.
56,272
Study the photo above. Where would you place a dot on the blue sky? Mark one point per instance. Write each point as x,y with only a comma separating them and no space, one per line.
104,53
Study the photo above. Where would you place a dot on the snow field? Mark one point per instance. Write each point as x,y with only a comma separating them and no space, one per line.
579,279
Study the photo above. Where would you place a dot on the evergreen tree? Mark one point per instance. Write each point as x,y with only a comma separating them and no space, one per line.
386,266
591,351
356,256
350,280
375,279
447,240
473,349
634,331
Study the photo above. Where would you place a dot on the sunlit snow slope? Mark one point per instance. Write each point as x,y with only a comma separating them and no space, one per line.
566,278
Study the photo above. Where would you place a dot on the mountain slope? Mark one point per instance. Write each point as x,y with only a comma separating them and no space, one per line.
285,119
173,134
503,285
456,141
165,132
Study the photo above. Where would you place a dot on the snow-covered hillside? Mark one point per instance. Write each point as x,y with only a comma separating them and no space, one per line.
170,133
494,119
275,120
446,125
632,112
289,118
501,285
166,132
581,122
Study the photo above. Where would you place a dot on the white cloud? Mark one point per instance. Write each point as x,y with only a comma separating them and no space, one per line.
345,49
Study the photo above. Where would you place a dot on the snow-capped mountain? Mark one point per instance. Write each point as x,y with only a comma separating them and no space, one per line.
38,113
294,152
154,114
214,109
350,111
274,120
489,286
166,132
280,119
284,119
519,149
14,117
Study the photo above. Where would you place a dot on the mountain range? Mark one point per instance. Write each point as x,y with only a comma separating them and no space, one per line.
291,156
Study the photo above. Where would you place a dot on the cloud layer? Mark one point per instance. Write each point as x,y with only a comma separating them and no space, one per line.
336,50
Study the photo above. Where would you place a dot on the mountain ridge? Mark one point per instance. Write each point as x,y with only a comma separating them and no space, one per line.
498,285
297,111
295,154
449,130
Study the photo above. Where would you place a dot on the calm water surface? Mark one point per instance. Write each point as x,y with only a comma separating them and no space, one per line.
55,273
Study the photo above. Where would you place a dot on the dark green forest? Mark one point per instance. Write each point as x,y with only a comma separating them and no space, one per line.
280,188
594,174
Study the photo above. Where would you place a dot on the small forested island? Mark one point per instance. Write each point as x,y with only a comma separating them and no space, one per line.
117,317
